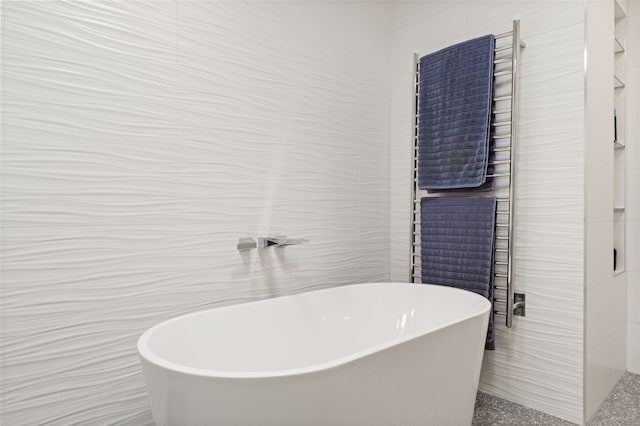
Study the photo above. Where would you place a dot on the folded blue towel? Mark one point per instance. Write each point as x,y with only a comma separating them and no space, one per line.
456,236
455,97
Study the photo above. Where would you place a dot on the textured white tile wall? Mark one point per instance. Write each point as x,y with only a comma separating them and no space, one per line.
539,362
140,140
633,193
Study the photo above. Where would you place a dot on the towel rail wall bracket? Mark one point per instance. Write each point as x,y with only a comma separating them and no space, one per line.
519,304
507,303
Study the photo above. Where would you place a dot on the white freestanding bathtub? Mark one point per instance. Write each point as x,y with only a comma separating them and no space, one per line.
366,354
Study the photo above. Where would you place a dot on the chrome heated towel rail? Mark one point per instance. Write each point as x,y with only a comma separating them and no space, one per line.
504,123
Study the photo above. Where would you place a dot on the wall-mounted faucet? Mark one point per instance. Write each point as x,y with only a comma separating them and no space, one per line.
279,241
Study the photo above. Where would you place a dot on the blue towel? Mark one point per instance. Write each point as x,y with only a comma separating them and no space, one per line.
456,89
489,183
457,244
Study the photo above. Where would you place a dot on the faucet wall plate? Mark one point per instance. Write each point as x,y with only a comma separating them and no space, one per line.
279,241
265,242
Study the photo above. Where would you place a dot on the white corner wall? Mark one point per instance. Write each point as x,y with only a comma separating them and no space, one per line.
605,294
140,140
633,189
538,362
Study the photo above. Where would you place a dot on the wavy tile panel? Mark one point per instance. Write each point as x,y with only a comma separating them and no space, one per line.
141,139
538,362
90,133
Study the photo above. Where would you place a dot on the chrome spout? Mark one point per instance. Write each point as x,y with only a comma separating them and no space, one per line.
280,241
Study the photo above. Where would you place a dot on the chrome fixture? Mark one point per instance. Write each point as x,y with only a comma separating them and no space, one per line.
279,241
246,243
507,302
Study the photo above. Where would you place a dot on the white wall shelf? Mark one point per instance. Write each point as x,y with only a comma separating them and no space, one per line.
618,47
620,154
618,12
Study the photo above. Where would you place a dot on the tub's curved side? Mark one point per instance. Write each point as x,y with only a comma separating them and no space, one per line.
375,318
430,379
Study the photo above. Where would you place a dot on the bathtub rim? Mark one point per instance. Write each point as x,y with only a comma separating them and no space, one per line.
151,357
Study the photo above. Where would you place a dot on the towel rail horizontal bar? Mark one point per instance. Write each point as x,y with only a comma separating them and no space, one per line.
502,149
498,199
502,111
503,35
501,137
502,49
501,200
508,34
499,175
501,123
502,60
418,265
502,98
501,73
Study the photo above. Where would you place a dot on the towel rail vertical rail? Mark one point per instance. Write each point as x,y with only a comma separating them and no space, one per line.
516,44
414,166
515,52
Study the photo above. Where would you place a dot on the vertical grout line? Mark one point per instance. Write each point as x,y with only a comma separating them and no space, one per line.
2,138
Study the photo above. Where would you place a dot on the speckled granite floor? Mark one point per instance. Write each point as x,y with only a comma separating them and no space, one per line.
621,408
493,411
